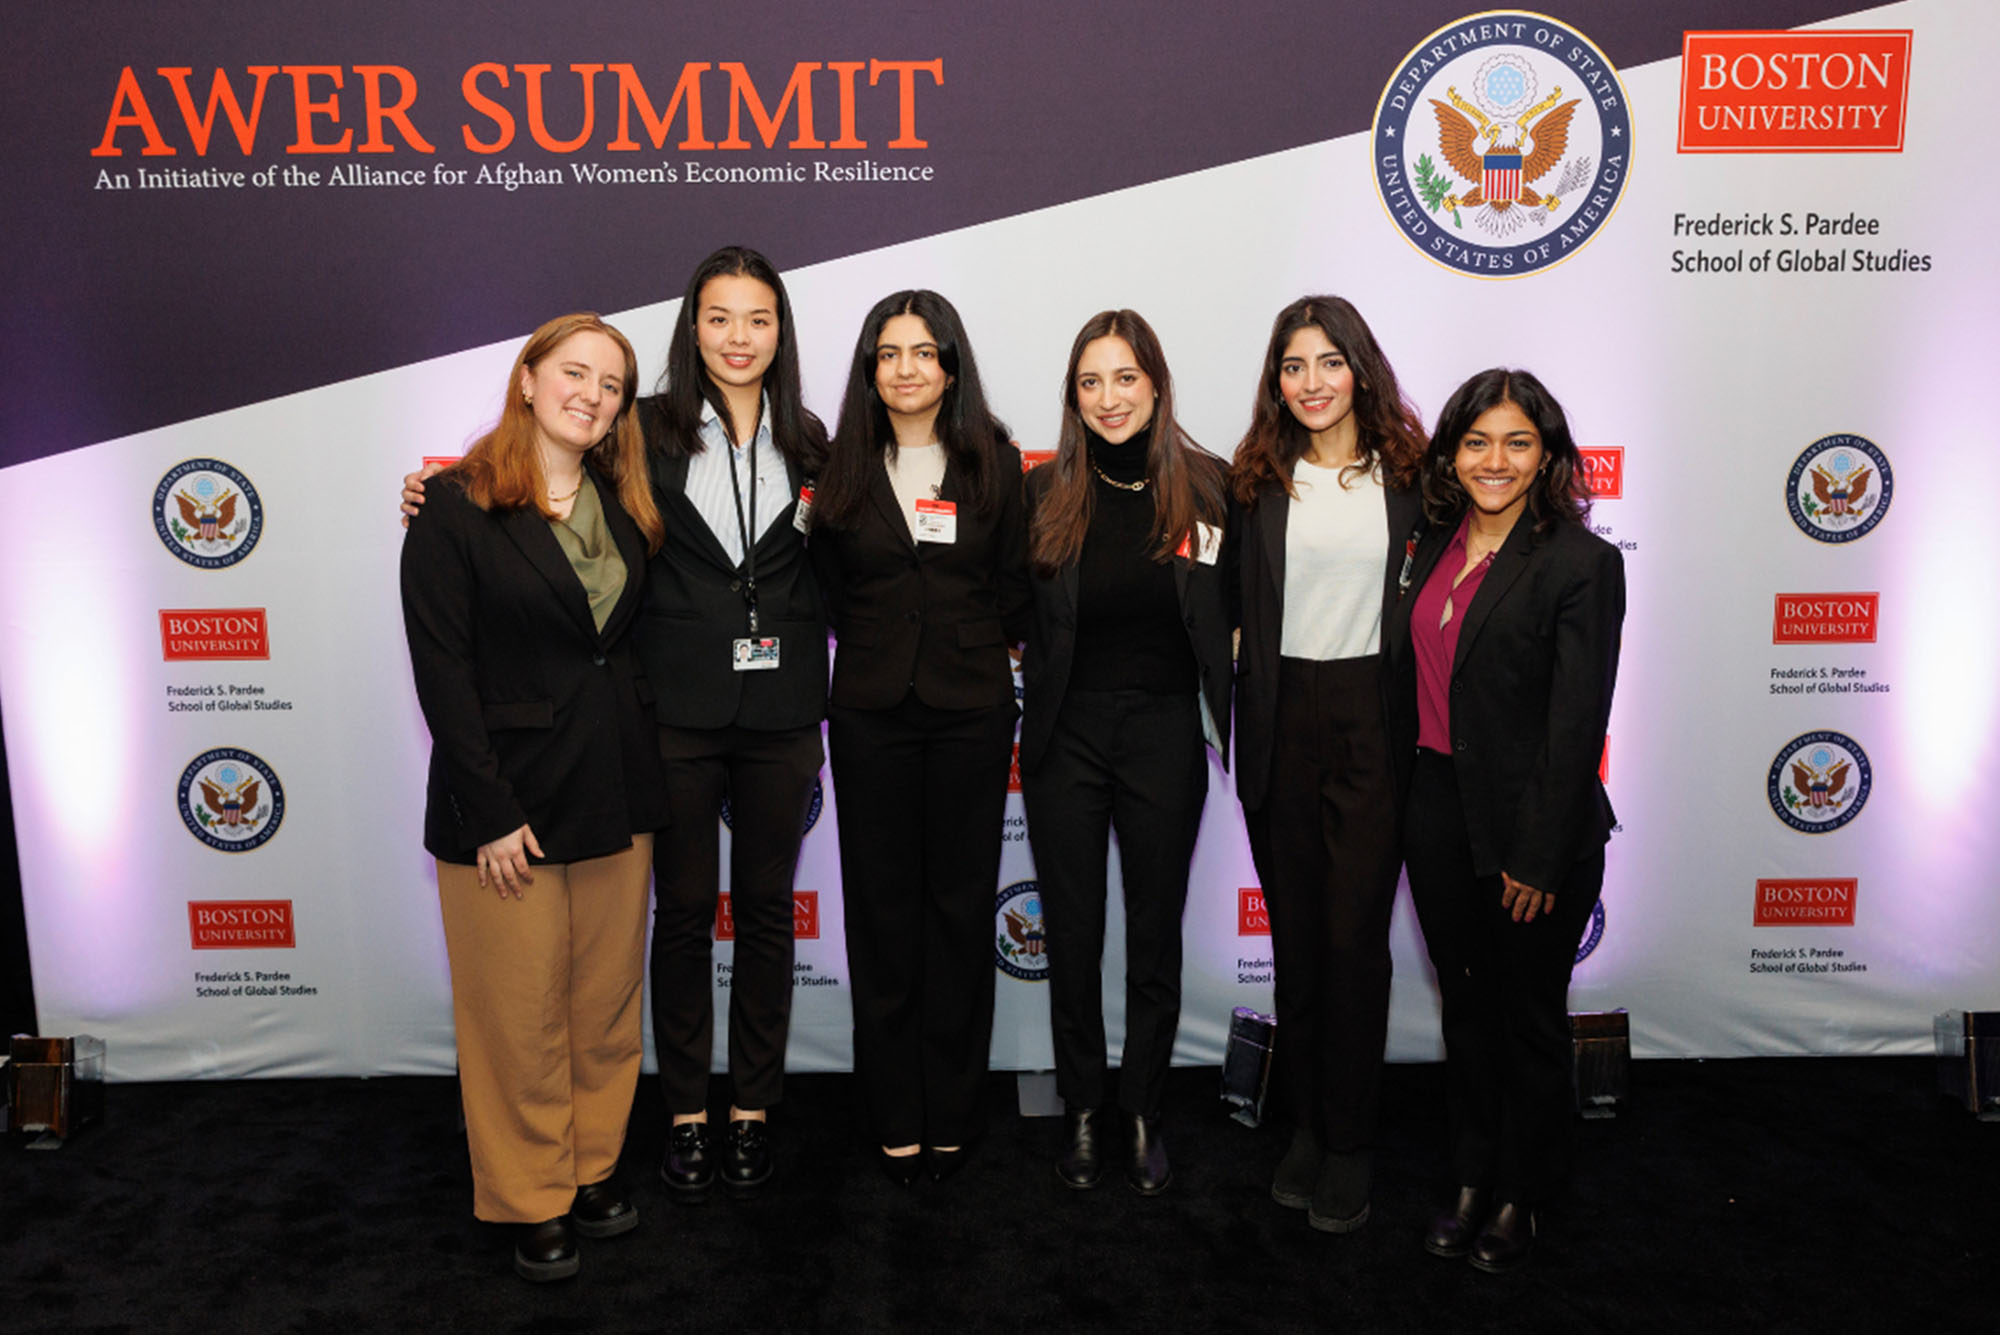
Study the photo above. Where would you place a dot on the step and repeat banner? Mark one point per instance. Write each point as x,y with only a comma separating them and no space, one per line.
261,263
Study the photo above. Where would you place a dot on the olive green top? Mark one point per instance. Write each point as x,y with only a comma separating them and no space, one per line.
586,541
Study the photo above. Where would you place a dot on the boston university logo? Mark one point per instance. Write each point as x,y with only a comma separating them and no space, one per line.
1502,143
1819,782
231,800
1840,488
207,513
1018,943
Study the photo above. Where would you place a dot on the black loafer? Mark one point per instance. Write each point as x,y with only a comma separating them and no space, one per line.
1453,1230
946,1163
1081,1163
1147,1170
746,1154
1506,1240
902,1169
545,1251
1298,1172
1340,1200
603,1211
689,1168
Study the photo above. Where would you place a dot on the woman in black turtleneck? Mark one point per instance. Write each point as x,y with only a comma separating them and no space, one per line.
1127,671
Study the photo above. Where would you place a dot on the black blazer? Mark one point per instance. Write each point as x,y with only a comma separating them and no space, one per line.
1207,594
1262,585
536,717
1530,697
936,617
695,611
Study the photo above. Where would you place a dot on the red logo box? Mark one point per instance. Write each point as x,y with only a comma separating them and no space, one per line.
241,924
1604,471
1825,618
1252,918
805,916
1014,770
1035,458
1819,902
1794,92
206,634
441,460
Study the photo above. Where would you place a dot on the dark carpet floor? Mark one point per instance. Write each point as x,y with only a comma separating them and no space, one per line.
1760,1195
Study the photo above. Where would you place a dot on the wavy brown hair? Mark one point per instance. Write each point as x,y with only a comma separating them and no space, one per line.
1389,430
1186,481
1559,494
503,469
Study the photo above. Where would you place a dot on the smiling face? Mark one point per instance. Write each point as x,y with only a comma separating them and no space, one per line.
575,391
908,374
1498,457
1315,381
1115,397
736,324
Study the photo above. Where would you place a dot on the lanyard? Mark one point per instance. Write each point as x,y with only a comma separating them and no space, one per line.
743,525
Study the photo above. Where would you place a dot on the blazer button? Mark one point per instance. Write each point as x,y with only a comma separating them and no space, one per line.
1458,746
736,586
1457,687
597,660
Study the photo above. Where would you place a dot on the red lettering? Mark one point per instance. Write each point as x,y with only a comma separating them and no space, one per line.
743,93
538,127
906,72
128,107
220,94
371,89
502,118
302,103
632,94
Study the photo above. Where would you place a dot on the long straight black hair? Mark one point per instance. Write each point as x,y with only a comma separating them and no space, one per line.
685,384
966,427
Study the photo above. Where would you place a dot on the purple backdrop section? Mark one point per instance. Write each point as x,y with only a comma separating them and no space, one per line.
131,309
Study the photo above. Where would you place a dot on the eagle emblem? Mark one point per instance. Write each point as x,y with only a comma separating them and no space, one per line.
233,805
1019,946
1840,493
1819,782
1820,787
1026,932
1503,157
207,519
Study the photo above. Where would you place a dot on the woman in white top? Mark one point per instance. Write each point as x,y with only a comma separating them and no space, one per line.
1326,477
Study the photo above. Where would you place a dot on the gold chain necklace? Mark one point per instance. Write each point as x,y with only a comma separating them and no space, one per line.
1140,485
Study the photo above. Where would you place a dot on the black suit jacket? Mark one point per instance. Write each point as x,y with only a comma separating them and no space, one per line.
936,617
1262,585
1530,696
695,611
537,718
1207,596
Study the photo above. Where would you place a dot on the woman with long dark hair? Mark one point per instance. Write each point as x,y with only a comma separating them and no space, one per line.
918,539
1503,658
520,584
1326,477
733,636
1127,670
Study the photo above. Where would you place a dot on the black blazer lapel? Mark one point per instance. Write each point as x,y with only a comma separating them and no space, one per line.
891,513
632,547
1508,565
1406,513
529,532
1275,507
670,476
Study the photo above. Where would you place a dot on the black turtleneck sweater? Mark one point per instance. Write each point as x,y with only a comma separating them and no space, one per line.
1129,634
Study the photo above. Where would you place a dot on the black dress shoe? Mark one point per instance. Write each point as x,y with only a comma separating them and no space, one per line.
689,1168
946,1163
1506,1240
902,1169
1298,1172
1147,1168
1340,1199
1453,1230
1081,1163
603,1211
746,1154
545,1251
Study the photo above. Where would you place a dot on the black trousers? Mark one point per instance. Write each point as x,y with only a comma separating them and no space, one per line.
1325,845
1505,987
1133,762
920,794
768,779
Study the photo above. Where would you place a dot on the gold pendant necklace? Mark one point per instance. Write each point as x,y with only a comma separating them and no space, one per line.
1140,485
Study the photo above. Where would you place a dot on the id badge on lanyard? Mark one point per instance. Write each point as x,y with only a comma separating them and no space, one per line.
752,652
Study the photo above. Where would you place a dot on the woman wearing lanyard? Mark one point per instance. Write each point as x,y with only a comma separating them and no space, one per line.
1127,670
1503,658
733,637
918,538
1327,477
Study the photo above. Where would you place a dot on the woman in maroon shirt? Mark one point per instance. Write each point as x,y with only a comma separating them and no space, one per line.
1503,653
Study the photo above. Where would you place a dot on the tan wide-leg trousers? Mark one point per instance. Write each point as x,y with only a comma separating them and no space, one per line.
545,993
